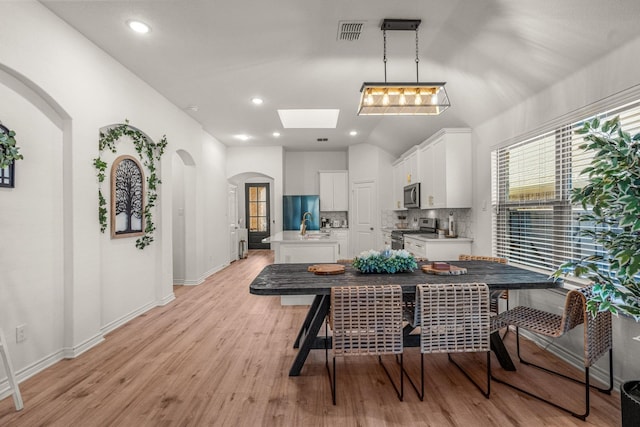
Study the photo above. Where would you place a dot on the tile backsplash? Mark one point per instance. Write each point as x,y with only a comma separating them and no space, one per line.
461,217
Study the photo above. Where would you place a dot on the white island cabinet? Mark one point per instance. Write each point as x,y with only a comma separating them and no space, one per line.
314,247
437,249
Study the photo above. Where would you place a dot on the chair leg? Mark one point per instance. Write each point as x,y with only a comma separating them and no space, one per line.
420,392
484,393
399,390
332,380
551,371
586,383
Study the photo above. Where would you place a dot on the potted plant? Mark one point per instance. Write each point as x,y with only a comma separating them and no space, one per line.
611,201
9,151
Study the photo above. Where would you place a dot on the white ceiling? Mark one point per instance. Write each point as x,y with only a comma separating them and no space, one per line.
218,54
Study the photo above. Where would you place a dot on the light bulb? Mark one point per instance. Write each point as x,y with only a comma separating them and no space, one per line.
418,99
402,100
385,98
434,99
138,26
369,99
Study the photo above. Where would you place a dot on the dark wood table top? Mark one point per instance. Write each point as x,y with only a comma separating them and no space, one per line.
294,279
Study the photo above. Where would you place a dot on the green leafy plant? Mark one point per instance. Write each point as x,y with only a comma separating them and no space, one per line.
9,151
388,261
149,153
611,200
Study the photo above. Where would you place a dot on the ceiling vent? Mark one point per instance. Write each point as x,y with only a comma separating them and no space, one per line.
349,30
322,139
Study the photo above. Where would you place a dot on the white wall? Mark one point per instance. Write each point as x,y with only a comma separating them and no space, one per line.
68,282
301,169
607,77
267,161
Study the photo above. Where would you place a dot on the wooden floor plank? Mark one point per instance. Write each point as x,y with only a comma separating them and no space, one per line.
219,356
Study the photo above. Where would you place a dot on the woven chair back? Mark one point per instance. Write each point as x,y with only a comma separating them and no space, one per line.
464,257
454,318
598,336
366,320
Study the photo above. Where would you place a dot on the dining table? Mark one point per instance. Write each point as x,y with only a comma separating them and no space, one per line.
296,279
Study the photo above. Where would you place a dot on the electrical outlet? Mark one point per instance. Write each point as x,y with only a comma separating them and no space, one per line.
20,333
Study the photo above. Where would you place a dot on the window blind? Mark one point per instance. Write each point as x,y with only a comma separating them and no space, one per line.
534,222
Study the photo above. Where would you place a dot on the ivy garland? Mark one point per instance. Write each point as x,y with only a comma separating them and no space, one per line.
9,151
149,153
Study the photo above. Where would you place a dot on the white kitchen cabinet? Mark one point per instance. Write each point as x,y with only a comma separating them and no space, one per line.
437,249
405,172
334,190
445,170
411,167
398,185
342,236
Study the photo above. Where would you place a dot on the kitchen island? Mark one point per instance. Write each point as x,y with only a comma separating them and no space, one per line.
312,247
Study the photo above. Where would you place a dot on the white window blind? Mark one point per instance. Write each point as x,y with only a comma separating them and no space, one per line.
534,222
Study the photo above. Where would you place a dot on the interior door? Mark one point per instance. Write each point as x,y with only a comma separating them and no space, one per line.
232,216
258,218
364,216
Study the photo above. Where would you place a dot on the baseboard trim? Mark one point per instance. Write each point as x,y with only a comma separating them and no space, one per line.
124,319
77,350
201,279
29,371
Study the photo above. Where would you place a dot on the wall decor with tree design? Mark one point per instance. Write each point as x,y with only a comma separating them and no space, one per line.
127,197
150,153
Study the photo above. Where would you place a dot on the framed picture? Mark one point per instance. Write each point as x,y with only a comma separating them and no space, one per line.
127,197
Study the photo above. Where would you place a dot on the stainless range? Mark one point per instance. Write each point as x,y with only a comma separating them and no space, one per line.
427,226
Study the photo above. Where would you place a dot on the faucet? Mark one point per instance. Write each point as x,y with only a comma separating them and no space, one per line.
303,225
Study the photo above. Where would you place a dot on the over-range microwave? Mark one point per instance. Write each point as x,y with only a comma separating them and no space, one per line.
412,196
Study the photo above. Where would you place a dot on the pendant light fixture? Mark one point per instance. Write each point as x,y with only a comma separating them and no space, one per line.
413,99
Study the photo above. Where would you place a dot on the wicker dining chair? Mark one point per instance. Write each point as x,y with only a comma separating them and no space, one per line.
366,321
597,337
453,318
495,296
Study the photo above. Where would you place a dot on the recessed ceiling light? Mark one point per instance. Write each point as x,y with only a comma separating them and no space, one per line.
257,101
276,134
353,133
242,137
138,26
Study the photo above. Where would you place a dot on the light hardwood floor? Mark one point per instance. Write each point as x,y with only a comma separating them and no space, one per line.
219,356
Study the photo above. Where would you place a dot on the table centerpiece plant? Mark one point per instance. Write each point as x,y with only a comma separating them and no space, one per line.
386,261
611,203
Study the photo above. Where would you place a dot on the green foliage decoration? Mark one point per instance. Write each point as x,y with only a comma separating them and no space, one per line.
149,152
9,151
612,201
387,261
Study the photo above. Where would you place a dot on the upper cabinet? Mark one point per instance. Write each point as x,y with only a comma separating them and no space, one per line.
405,172
445,170
334,190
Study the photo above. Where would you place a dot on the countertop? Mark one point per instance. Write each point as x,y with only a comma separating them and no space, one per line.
292,236
435,238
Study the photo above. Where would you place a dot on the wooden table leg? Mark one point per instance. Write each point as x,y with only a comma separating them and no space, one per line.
307,336
307,320
497,345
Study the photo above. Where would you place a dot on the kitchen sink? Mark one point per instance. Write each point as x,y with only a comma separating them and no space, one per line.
315,236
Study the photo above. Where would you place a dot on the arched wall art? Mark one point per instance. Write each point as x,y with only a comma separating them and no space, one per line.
127,198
